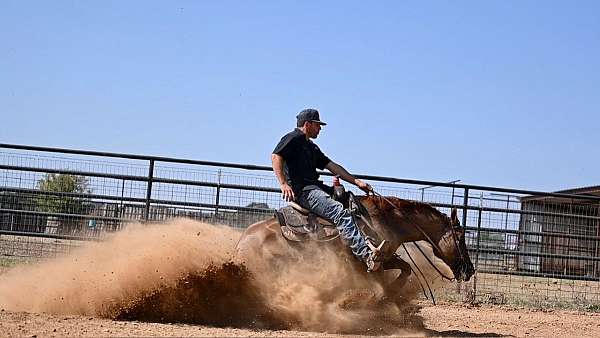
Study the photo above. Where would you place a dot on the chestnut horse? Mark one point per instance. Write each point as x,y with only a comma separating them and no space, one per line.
385,218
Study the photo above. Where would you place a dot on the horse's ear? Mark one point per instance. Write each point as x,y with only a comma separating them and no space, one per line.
454,217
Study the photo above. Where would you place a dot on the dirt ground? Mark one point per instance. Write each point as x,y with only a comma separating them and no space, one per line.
444,320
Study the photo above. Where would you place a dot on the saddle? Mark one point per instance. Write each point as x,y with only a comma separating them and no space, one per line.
299,224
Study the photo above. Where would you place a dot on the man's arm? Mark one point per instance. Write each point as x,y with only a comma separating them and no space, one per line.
288,193
346,176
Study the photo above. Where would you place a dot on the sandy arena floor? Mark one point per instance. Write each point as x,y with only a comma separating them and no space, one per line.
439,321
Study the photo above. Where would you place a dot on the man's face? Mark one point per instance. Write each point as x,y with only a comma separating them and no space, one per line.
313,129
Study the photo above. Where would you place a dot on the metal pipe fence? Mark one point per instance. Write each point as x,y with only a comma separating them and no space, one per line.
529,247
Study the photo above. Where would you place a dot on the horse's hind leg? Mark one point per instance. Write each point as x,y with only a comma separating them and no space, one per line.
394,288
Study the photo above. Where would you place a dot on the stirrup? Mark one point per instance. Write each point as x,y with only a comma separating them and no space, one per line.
374,259
375,249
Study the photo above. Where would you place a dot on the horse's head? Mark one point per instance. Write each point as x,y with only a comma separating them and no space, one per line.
454,249
402,221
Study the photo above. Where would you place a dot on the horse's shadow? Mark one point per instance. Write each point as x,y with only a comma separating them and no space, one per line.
395,329
458,333
409,320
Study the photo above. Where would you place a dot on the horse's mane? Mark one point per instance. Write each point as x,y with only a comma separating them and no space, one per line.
408,207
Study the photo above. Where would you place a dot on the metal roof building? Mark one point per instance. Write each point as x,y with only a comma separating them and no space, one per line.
553,227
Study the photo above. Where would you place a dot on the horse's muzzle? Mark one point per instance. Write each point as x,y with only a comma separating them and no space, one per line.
464,272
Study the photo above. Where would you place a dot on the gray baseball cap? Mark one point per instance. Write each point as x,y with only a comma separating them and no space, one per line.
311,115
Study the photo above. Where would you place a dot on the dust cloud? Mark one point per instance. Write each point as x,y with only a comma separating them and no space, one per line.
186,271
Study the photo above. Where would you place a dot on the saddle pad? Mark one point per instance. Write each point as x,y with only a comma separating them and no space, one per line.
325,234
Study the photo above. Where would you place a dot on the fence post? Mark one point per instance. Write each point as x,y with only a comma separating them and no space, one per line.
122,211
464,223
465,205
217,198
477,246
452,195
149,190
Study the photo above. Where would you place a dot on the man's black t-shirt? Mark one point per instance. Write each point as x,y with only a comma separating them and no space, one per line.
302,158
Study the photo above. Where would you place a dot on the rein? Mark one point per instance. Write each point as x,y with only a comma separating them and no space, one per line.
420,272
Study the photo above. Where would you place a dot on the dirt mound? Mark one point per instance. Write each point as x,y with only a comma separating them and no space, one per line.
131,263
229,296
219,296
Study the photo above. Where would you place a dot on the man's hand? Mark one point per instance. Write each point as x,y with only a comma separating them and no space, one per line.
288,193
366,187
346,176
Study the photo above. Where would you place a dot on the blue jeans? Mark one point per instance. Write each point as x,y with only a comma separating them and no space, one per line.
320,203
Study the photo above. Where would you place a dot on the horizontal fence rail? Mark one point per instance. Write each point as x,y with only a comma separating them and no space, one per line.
528,246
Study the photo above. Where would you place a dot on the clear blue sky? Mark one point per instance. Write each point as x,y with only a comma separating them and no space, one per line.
502,93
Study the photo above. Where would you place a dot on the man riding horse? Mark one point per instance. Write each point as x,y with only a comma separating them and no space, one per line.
295,162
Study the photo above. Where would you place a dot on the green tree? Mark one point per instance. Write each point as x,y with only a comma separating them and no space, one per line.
64,204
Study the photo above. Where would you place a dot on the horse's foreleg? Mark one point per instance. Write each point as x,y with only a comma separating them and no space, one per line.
394,288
